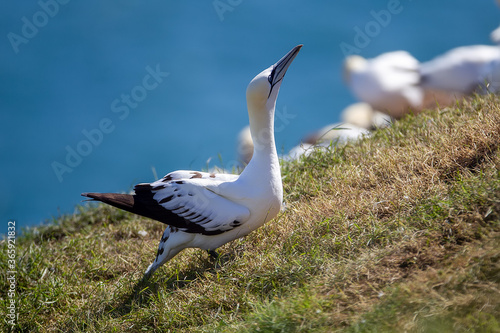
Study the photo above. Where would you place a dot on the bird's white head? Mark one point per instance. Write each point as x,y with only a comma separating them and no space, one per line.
352,64
262,91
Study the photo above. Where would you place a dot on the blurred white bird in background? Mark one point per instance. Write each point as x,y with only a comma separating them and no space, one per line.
388,82
364,116
462,70
303,149
336,134
495,36
357,121
332,135
396,83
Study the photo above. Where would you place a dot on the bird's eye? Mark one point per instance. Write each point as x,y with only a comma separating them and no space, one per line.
270,77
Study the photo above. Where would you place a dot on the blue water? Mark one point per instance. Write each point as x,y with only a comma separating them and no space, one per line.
67,76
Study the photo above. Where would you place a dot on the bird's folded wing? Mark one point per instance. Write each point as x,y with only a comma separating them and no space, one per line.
189,206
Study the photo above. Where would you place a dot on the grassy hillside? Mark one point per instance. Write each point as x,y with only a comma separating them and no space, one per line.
399,232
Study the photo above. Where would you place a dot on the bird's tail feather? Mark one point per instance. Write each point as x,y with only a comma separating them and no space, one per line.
122,201
141,203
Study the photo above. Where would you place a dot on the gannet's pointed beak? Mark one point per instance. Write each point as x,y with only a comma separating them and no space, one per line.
280,68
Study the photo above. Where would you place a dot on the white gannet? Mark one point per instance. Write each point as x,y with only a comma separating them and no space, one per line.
336,134
462,70
328,136
388,82
302,149
358,119
495,36
205,210
364,116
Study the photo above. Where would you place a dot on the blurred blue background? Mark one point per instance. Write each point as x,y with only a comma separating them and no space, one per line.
66,65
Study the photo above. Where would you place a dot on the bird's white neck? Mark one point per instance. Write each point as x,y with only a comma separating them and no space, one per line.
265,158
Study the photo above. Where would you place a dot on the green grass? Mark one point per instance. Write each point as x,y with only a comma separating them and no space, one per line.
399,232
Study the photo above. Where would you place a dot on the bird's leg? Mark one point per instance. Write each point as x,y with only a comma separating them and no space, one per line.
213,254
216,257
